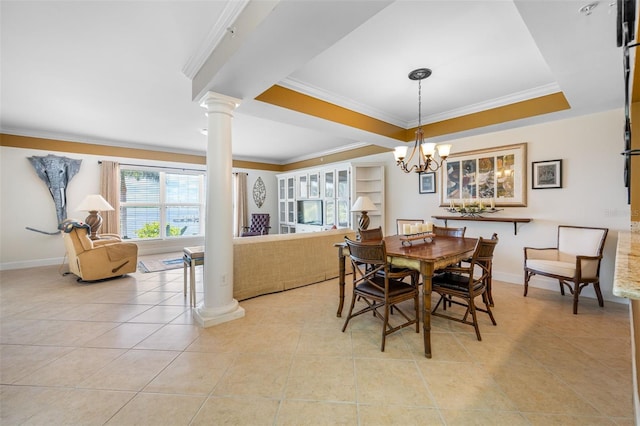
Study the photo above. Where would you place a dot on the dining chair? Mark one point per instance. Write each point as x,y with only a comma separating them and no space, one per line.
376,234
375,287
461,284
401,222
574,262
449,232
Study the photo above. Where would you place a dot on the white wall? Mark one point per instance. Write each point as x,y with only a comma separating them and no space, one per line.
271,200
25,202
593,192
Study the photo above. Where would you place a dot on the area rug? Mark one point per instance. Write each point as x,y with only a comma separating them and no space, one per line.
157,265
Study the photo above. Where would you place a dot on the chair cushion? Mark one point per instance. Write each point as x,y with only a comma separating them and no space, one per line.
579,241
555,267
395,287
453,281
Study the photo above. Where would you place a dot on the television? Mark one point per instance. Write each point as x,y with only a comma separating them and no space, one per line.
310,212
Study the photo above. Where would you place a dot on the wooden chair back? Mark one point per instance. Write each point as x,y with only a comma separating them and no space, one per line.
449,232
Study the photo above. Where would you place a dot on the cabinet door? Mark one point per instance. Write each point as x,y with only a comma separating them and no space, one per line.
291,188
343,213
329,189
314,185
343,183
329,212
302,187
291,211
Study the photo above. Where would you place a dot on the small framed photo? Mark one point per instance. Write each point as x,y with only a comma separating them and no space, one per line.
546,174
427,183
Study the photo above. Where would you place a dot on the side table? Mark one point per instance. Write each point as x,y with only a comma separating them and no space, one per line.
193,256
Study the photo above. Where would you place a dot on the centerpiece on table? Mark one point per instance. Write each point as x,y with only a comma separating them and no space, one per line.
418,231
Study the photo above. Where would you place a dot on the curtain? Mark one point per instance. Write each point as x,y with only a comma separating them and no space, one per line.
110,190
240,203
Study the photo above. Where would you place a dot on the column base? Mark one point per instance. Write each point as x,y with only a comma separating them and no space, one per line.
210,317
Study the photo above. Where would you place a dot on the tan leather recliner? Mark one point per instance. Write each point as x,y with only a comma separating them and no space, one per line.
94,260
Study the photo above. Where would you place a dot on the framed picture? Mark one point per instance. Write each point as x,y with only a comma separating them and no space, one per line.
427,183
496,175
546,174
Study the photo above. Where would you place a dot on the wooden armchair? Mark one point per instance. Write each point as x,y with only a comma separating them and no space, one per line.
574,262
461,284
373,285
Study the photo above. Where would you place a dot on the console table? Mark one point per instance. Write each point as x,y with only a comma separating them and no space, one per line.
514,220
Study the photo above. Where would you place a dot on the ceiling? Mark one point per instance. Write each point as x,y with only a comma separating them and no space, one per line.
131,73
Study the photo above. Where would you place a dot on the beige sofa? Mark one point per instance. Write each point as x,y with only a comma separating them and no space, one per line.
271,263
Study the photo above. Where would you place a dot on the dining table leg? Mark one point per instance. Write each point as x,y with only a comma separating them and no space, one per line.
426,269
341,278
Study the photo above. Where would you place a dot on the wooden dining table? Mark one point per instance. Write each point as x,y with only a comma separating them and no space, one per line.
422,256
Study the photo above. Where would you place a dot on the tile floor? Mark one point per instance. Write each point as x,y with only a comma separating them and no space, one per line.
127,352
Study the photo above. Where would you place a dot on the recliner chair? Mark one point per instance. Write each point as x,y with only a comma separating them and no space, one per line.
92,260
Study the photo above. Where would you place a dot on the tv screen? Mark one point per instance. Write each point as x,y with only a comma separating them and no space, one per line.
310,212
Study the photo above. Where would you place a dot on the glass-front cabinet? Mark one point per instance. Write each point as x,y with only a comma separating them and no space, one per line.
287,205
316,199
343,202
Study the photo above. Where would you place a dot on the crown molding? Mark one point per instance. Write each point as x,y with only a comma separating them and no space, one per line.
326,96
228,16
327,152
316,92
512,98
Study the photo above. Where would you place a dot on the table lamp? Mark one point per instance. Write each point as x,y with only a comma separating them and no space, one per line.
93,203
363,205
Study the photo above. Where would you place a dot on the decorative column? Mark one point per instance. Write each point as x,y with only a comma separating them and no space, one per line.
218,305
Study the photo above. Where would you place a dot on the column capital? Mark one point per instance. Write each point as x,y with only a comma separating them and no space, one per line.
216,102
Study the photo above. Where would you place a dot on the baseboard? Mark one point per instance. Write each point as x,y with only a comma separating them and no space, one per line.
24,264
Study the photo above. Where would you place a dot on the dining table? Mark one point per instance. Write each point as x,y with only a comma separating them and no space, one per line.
425,256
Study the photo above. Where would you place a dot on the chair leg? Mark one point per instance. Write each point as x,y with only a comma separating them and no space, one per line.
474,316
416,303
353,303
384,326
493,320
596,286
488,293
576,294
527,276
561,287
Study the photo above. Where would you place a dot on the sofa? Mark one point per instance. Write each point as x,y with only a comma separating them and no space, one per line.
271,263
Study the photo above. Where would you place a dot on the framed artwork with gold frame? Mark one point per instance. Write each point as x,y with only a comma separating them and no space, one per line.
498,174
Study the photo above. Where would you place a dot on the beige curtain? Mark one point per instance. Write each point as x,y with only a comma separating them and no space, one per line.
110,190
240,203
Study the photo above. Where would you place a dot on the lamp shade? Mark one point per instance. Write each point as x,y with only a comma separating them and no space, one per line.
363,204
94,202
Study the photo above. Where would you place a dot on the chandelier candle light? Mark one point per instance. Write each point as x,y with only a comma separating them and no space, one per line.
425,151
94,203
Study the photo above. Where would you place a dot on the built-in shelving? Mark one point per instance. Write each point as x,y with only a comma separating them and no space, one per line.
338,185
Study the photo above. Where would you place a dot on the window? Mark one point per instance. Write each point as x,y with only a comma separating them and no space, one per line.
160,204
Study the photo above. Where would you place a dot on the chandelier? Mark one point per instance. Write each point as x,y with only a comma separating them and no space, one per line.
425,151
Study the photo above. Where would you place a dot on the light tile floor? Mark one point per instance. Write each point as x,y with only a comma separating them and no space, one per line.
126,352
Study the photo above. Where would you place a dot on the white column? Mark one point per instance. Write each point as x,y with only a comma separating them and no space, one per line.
218,305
